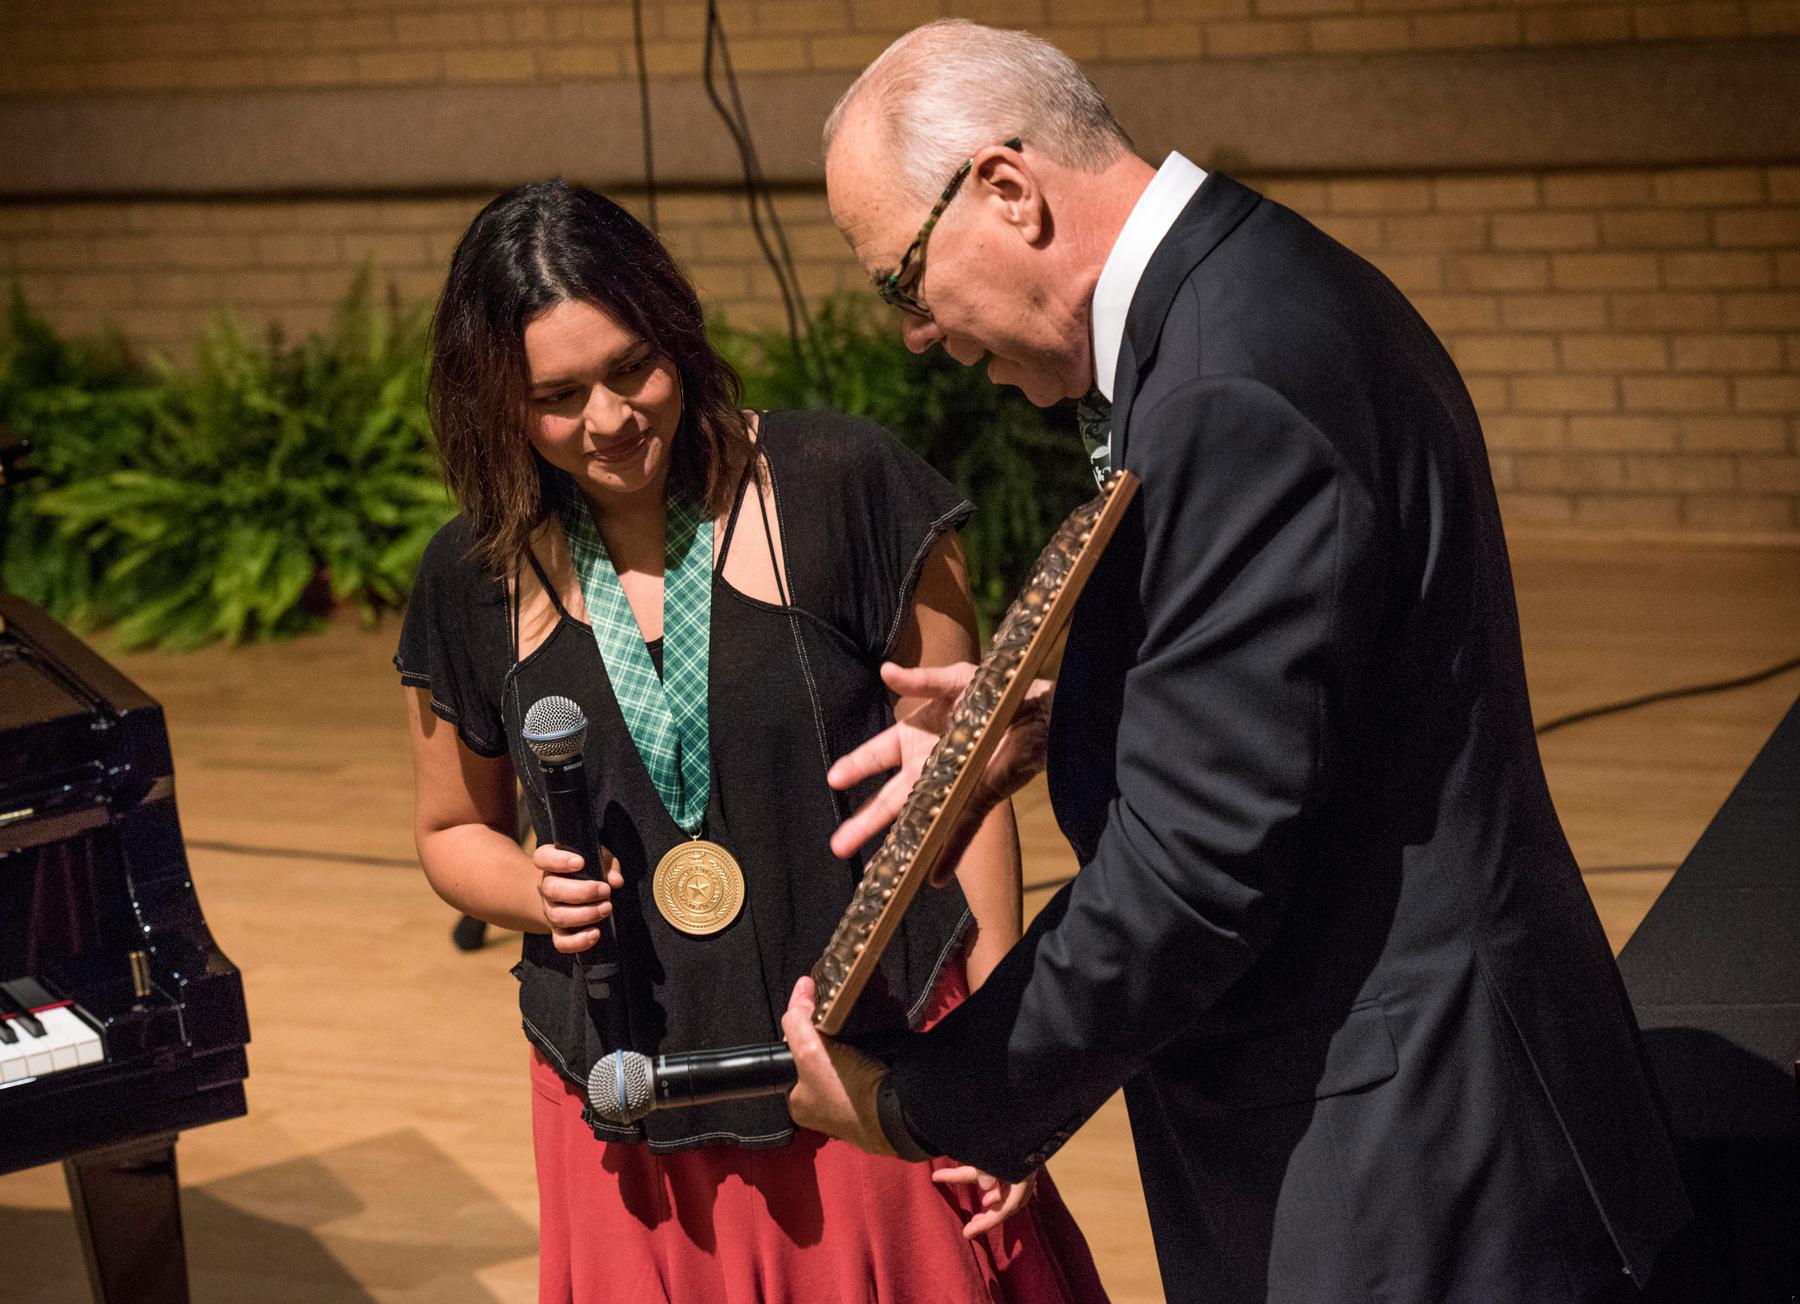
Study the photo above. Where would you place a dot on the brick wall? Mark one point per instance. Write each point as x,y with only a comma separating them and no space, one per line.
137,45
1631,337
160,271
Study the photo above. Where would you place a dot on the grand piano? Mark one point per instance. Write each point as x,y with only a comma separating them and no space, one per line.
121,1021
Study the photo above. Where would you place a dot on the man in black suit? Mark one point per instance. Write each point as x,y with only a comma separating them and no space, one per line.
1327,933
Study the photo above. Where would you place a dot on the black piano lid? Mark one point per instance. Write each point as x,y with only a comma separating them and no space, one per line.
29,696
37,712
49,681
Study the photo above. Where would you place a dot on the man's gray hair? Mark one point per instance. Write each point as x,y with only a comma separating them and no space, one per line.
951,88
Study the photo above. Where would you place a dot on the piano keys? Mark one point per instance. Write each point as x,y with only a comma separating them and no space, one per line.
40,1035
122,1023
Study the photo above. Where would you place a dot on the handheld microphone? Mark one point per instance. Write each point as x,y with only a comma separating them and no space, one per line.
624,1086
555,730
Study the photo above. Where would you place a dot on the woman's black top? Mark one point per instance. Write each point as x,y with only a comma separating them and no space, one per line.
791,688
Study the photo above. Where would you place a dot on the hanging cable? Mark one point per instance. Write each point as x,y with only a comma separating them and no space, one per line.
643,74
765,222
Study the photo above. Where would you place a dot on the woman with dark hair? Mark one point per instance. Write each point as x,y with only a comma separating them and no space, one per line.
716,589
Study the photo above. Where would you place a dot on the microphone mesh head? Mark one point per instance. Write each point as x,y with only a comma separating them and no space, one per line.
555,729
619,1086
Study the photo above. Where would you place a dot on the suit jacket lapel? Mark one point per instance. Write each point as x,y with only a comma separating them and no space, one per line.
1218,206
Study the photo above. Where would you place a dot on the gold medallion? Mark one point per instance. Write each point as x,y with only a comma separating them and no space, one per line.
698,887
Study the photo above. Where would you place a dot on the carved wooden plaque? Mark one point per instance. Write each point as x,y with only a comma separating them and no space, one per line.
905,858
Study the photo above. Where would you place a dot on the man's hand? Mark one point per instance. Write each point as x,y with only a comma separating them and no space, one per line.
904,745
835,1093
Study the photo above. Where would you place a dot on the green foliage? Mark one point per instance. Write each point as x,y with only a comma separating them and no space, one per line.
240,497
234,500
1021,466
68,398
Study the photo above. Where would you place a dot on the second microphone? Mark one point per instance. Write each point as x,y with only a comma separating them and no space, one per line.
625,1085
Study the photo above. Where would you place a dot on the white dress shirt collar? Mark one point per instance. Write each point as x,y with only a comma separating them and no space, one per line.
1154,213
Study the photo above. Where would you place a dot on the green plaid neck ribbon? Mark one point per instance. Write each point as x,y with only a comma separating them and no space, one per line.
666,715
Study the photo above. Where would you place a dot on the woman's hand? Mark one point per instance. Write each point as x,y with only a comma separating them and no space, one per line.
574,907
904,745
999,1200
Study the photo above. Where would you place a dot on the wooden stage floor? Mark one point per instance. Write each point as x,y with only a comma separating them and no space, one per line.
386,1156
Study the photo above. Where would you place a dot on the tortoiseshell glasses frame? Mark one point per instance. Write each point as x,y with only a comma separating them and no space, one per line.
896,287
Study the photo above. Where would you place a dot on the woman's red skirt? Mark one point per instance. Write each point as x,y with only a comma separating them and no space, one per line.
816,1221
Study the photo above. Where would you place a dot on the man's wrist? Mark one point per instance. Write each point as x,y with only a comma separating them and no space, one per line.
893,1122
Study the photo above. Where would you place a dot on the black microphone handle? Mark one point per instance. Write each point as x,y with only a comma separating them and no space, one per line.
702,1077
572,829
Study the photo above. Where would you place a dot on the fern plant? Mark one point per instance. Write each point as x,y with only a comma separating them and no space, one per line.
235,500
242,497
74,400
1022,466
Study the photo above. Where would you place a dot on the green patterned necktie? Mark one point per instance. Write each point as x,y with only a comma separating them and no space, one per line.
1093,418
665,714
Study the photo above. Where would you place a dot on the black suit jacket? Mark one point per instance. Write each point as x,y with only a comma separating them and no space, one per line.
1327,932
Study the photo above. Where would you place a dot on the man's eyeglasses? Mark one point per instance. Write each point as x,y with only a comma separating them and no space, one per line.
896,287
